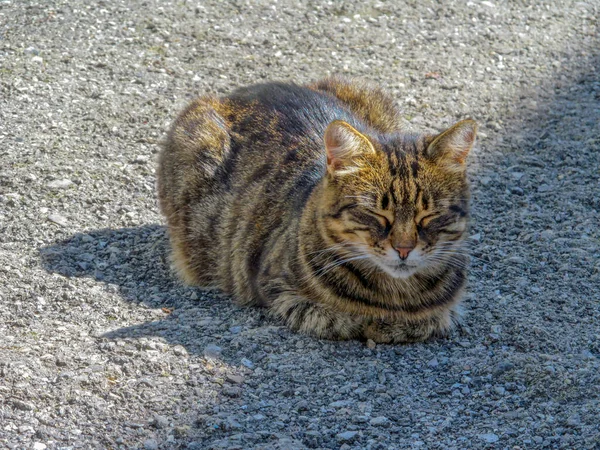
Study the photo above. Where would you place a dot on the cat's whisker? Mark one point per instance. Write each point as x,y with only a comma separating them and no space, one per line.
332,266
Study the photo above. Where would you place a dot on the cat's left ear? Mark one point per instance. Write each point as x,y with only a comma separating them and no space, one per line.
345,147
450,148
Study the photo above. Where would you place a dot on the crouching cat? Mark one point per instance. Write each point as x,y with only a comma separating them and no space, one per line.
309,201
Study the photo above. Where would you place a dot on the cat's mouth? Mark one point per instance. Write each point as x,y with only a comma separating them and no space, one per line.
399,269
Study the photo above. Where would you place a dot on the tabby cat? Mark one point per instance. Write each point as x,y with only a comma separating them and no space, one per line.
310,201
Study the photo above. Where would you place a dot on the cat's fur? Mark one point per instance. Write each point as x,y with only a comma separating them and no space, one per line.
309,201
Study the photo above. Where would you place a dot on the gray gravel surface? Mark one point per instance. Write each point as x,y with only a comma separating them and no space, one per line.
100,347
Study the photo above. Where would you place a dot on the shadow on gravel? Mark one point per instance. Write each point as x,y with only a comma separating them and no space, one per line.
134,263
134,259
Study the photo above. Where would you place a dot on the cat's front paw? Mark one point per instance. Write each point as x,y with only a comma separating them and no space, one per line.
378,332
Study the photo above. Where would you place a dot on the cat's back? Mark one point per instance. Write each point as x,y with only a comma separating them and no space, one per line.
286,111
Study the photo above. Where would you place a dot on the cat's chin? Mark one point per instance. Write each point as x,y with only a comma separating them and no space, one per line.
401,272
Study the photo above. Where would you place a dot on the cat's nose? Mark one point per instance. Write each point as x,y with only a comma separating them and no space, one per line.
403,252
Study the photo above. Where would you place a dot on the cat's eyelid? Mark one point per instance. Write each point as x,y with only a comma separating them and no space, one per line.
382,215
426,215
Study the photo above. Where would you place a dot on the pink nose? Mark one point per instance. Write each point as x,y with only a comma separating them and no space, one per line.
404,251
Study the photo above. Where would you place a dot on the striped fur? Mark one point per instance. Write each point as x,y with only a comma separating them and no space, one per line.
297,198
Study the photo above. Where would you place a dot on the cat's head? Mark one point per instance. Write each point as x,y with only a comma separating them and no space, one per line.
398,202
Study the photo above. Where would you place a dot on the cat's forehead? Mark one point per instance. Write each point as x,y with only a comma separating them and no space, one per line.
404,154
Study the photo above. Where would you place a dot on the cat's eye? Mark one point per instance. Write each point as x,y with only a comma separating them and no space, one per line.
381,215
423,221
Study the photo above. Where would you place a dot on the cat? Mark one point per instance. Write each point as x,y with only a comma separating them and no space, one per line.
310,201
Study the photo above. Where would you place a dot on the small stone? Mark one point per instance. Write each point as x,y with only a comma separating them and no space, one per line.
60,184
485,180
360,419
232,391
37,59
544,188
302,405
246,362
179,350
181,431
213,351
235,330
371,344
58,219
499,390
61,361
502,367
23,406
39,446
237,379
516,260
150,444
574,420
346,436
490,438
476,238
516,190
433,363
160,421
380,421
339,404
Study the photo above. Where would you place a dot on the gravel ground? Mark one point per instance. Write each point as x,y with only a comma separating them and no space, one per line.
100,347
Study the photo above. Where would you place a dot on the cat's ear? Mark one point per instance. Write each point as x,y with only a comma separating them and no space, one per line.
345,146
451,147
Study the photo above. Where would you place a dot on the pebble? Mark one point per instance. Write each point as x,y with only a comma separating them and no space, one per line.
232,391
516,260
246,362
23,406
502,367
58,219
160,421
340,404
574,420
516,190
180,350
371,344
476,238
39,446
346,436
235,330
150,444
360,419
237,379
544,188
60,184
433,363
490,438
37,59
380,421
213,351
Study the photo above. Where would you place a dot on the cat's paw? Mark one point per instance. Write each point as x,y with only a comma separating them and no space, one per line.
378,333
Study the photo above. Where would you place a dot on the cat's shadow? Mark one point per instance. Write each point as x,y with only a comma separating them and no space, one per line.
135,263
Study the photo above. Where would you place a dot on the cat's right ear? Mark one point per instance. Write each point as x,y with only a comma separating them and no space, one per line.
345,146
450,148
